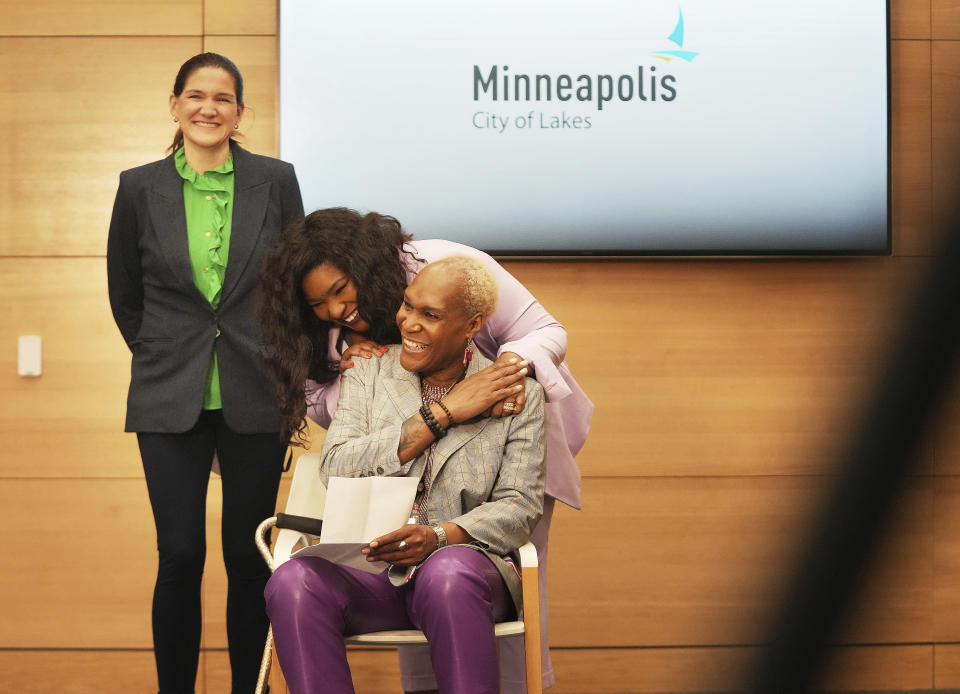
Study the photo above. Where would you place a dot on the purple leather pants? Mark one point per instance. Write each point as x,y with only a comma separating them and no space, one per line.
455,598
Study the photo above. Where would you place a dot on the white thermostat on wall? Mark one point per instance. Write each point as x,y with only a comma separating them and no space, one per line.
29,355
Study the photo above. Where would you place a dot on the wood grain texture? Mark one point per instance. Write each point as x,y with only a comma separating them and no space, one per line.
614,671
257,59
579,671
910,19
99,18
78,672
79,400
698,561
96,106
85,563
945,59
945,19
240,17
946,666
947,560
375,671
721,368
911,148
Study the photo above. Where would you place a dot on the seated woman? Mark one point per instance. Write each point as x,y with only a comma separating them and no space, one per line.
424,410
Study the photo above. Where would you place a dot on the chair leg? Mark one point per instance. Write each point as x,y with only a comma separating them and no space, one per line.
531,630
265,661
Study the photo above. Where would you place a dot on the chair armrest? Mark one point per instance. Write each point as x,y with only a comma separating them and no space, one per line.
528,556
260,538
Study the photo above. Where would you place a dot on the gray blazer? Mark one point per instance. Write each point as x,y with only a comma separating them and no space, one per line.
488,474
168,324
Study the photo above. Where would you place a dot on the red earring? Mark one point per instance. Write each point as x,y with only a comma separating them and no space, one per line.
468,354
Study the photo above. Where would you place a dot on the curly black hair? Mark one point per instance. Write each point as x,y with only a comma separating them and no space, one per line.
368,248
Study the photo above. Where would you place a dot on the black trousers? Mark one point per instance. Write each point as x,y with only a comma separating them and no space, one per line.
177,469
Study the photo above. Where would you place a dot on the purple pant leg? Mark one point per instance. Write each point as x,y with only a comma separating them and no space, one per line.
417,673
455,599
312,603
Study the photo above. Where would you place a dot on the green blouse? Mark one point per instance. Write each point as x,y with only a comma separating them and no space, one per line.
208,202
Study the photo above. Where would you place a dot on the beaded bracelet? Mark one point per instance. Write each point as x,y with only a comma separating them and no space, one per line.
432,423
449,416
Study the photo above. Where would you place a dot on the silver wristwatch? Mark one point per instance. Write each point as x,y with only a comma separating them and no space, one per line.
441,536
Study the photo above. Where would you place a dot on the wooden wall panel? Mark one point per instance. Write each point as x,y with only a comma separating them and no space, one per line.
721,368
582,671
82,558
946,666
945,19
947,560
375,671
98,18
658,670
240,17
613,671
945,60
79,401
78,672
97,106
945,438
256,57
910,19
910,147
685,561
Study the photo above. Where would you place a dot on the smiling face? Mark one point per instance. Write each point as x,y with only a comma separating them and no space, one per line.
207,109
332,296
433,327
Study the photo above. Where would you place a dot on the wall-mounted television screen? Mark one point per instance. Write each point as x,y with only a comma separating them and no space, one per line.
600,127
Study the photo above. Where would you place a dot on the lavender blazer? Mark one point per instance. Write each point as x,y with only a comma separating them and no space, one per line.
519,325
487,474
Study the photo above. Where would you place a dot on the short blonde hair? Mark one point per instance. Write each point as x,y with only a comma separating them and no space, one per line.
478,287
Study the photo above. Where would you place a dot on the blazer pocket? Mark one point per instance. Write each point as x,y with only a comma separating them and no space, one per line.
149,349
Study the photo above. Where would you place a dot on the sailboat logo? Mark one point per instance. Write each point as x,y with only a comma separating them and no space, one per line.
677,38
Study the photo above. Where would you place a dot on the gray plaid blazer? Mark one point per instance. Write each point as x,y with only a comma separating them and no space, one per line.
488,474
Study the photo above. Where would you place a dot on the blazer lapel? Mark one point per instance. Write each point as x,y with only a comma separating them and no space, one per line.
403,390
251,197
169,220
460,434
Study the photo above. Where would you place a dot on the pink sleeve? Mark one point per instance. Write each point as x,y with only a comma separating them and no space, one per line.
322,400
520,324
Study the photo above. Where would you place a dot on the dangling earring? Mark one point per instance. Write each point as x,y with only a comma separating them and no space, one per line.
236,126
468,353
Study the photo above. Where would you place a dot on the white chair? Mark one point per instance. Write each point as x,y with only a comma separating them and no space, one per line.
305,510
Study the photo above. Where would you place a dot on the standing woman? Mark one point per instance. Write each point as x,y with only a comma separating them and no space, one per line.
332,287
186,241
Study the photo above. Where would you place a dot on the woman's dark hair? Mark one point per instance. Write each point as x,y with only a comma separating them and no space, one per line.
195,63
368,249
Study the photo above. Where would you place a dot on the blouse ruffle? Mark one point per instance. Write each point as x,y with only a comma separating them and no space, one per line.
213,183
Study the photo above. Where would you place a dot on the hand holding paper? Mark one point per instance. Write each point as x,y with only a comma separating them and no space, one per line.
357,511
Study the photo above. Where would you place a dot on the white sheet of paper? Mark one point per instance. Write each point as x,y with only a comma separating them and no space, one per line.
357,510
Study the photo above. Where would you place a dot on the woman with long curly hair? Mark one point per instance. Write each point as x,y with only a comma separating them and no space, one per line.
331,288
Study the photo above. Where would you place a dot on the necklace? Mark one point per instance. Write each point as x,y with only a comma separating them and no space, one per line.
430,393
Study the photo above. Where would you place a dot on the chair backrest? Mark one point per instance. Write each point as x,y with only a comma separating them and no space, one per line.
307,497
